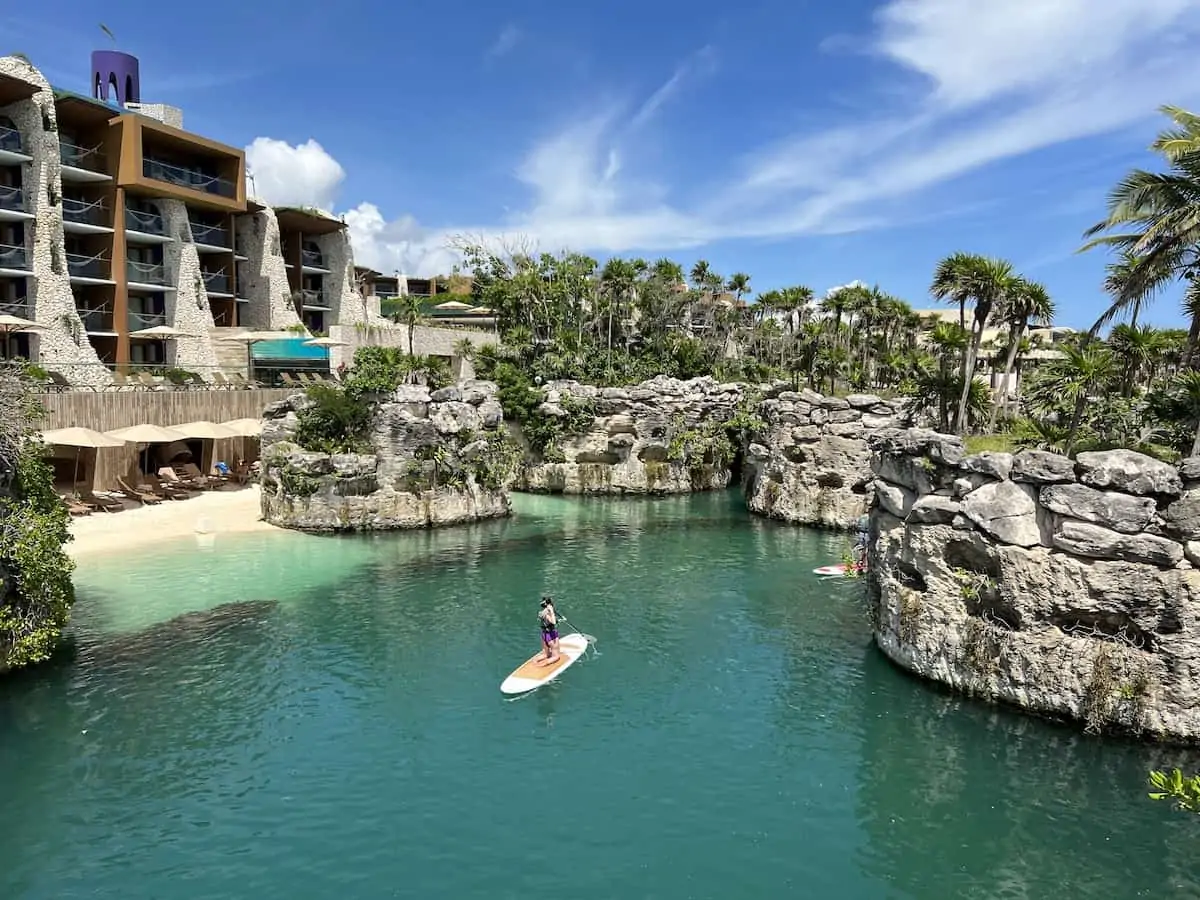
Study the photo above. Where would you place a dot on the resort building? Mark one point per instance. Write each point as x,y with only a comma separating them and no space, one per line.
128,243
445,300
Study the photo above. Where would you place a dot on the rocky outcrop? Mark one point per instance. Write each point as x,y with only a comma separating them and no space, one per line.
1063,587
663,436
435,458
187,306
809,462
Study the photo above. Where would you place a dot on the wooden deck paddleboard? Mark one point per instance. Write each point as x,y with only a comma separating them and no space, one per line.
530,675
838,571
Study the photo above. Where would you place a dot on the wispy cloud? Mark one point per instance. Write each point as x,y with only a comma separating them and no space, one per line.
981,85
506,41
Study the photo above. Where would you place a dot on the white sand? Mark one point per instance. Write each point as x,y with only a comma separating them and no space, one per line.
228,511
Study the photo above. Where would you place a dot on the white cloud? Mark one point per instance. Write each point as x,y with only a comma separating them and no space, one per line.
998,80
284,175
506,41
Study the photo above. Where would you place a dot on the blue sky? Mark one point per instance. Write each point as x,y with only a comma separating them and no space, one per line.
800,142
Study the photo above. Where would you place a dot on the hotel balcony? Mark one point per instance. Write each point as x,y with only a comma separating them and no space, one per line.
85,216
216,283
97,321
19,308
88,269
142,227
12,151
14,262
192,179
139,321
146,276
210,238
81,164
313,300
312,262
12,204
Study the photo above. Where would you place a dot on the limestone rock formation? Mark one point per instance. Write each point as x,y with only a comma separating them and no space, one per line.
187,306
1064,587
262,277
663,436
810,463
436,458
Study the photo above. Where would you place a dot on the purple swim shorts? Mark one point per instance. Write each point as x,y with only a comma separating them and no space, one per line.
549,637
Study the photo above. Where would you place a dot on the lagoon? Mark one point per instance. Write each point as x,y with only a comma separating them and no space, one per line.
287,715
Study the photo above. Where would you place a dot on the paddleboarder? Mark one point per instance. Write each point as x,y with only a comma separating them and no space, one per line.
548,622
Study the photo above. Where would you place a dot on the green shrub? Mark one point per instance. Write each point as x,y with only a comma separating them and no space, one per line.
337,422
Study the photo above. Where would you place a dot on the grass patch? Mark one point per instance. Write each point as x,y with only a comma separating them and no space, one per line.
990,443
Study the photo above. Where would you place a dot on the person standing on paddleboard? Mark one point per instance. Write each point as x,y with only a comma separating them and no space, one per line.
548,622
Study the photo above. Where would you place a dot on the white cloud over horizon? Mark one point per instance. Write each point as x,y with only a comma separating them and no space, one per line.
990,83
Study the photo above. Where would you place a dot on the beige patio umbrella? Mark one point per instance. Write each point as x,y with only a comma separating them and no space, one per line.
79,438
163,332
244,427
146,434
204,431
325,342
10,324
250,338
453,305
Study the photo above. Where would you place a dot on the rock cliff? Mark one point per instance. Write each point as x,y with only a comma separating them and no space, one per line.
436,458
1062,586
809,462
663,436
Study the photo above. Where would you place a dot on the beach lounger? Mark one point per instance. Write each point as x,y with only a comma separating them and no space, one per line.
74,507
139,496
107,504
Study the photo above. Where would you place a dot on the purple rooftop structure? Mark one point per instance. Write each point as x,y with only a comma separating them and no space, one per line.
115,77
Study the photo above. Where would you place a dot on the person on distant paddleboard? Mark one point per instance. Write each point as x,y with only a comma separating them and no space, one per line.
548,622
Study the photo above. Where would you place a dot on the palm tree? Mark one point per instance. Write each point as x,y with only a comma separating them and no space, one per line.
410,311
1085,371
738,284
1028,301
988,282
1186,395
1156,217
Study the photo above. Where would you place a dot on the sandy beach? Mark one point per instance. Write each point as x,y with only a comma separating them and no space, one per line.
229,511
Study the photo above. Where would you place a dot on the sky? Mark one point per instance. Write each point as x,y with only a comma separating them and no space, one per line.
799,142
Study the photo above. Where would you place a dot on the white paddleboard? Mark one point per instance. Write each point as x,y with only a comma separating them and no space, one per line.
530,675
837,571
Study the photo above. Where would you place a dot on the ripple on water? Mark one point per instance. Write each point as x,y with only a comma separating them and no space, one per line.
312,717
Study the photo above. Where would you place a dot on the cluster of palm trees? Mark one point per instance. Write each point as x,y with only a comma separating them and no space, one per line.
568,316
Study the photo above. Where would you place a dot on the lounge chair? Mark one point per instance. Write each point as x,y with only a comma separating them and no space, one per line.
156,485
139,496
108,504
58,382
222,382
246,383
181,480
192,471
74,507
290,381
146,380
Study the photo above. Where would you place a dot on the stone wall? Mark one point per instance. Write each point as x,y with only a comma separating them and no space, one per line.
645,439
810,464
63,339
437,459
347,306
265,282
1065,587
427,341
187,306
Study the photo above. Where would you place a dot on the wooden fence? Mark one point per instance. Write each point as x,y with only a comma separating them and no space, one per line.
109,410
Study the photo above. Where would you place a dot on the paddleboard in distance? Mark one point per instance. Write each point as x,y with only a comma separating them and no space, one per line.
836,571
530,675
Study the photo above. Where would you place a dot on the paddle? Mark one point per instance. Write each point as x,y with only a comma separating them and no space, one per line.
587,637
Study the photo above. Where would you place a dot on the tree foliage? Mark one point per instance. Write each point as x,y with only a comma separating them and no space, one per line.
36,593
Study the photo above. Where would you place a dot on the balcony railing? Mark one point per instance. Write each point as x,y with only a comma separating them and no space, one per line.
80,157
87,266
12,257
213,235
12,198
313,258
10,139
386,293
145,222
145,272
141,320
97,319
215,282
18,308
85,212
314,299
188,178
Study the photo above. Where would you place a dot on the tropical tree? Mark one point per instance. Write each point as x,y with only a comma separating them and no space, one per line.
1027,301
1084,372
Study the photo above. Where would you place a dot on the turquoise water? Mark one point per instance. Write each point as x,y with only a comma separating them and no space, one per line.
289,716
